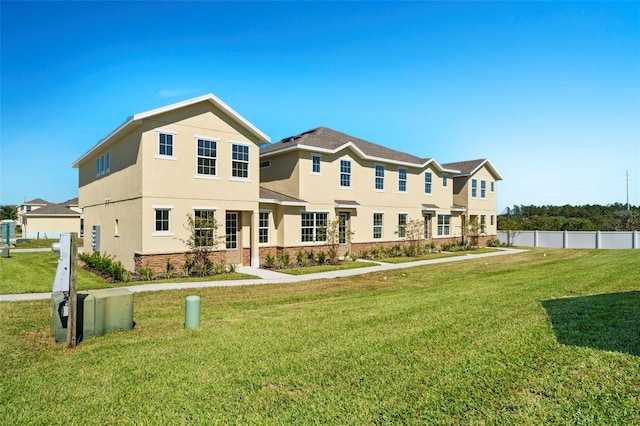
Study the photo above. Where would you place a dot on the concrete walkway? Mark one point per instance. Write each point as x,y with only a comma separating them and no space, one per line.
266,276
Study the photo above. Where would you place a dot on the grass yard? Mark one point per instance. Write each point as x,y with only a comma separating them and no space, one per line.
325,268
518,339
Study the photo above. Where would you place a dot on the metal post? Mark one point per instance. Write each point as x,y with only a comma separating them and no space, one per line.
73,293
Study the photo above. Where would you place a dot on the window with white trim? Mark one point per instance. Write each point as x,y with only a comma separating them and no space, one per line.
162,220
402,225
483,223
207,156
427,182
265,164
107,162
345,173
263,227
444,224
492,220
314,226
402,180
377,226
103,164
493,186
379,181
474,188
444,180
204,227
315,163
483,189
239,161
165,144
97,166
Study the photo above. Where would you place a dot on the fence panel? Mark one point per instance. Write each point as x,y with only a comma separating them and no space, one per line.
551,239
575,239
582,239
616,240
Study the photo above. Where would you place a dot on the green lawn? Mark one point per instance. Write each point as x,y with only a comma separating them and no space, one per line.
517,339
326,268
41,243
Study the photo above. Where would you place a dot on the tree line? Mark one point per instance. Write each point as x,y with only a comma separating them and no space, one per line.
590,217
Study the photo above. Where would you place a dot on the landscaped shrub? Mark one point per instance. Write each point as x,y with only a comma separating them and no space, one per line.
322,258
285,259
269,261
494,242
146,273
169,270
364,254
333,255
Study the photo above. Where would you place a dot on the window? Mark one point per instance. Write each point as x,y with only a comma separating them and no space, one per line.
483,188
427,225
427,183
379,177
98,166
265,164
483,223
315,163
107,162
444,224
493,186
162,220
165,145
402,225
377,225
204,227
492,220
207,153
345,173
402,180
231,228
444,181
474,188
263,227
314,227
239,161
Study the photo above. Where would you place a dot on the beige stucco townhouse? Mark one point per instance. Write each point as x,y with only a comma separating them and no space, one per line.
323,174
138,185
42,219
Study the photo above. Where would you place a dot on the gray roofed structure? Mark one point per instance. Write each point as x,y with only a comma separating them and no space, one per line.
267,194
53,210
325,138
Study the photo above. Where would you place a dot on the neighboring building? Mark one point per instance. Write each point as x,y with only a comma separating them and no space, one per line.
138,185
41,219
374,189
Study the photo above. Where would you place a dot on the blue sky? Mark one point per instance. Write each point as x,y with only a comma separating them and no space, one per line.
548,91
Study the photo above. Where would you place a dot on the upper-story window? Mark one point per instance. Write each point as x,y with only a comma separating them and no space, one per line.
444,181
315,163
239,161
402,180
265,164
474,188
427,182
379,183
103,164
493,186
345,173
207,154
483,189
165,144
107,162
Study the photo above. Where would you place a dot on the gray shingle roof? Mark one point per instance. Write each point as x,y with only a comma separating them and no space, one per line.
36,201
465,167
53,210
325,138
273,195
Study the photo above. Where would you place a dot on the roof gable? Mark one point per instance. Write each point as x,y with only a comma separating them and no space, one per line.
323,139
53,210
470,167
36,202
136,119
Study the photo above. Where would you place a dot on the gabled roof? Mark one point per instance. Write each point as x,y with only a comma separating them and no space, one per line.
468,168
35,202
325,140
53,210
71,202
269,196
136,120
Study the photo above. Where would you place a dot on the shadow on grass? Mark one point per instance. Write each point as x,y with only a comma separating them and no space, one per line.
604,321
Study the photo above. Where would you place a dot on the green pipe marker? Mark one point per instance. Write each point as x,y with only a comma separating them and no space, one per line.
192,312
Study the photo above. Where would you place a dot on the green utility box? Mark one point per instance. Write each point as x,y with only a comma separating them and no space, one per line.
99,312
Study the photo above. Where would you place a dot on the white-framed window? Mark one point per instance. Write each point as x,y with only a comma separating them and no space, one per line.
474,188
483,189
427,182
315,164
402,180
165,144
107,162
231,230
263,227
377,226
345,173
483,223
162,220
379,180
444,180
493,220
444,224
103,164
314,226
204,221
402,225
265,164
207,157
239,161
493,186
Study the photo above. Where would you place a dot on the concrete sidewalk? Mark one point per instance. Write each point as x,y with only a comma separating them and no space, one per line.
266,276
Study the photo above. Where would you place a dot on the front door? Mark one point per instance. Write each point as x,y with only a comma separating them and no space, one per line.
233,240
343,229
427,226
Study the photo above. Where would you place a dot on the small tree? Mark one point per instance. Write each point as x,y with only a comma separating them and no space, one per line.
203,238
471,231
336,232
8,212
414,234
510,227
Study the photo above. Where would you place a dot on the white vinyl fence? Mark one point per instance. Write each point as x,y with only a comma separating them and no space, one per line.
575,239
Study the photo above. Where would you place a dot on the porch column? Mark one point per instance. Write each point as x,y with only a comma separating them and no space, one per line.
255,248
